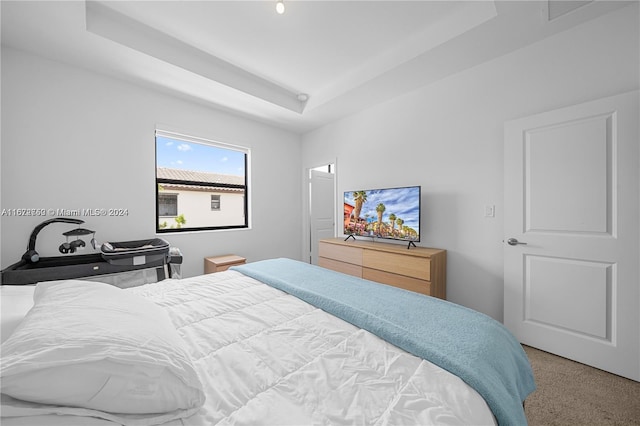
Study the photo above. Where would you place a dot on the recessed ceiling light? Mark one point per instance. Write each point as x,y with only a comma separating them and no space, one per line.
280,7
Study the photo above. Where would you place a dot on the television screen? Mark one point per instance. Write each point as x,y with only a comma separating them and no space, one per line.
385,213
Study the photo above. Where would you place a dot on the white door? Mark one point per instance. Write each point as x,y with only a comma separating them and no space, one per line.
571,194
322,209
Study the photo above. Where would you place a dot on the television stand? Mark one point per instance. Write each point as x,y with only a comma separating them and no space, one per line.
350,236
411,243
421,269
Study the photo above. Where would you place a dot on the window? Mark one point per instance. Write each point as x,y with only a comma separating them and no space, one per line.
200,184
215,202
167,204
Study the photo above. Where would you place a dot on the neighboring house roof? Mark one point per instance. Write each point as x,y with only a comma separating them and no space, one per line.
193,176
213,189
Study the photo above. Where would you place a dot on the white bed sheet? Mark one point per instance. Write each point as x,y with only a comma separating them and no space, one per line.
15,302
266,357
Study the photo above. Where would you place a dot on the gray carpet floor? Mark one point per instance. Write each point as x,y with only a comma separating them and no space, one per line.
570,393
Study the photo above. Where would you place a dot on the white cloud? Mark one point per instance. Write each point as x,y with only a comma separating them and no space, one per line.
184,147
224,159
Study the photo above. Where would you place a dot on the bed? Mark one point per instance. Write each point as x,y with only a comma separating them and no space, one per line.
273,342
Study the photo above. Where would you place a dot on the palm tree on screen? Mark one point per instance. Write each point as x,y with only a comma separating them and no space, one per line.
380,210
360,197
392,220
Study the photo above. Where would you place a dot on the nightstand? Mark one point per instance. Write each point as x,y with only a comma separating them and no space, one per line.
222,263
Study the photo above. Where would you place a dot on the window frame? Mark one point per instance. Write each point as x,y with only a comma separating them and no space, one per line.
175,196
219,202
201,141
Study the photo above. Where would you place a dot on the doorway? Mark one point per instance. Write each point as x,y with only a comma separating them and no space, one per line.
322,206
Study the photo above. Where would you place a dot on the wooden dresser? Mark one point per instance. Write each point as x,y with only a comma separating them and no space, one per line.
418,269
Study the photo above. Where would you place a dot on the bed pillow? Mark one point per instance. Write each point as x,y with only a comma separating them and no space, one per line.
94,346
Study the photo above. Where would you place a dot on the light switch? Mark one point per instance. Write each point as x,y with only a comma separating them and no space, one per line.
489,210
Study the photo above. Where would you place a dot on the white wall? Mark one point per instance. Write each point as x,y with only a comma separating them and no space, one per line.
448,137
74,139
196,208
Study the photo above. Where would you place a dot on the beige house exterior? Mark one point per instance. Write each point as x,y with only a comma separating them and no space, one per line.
200,205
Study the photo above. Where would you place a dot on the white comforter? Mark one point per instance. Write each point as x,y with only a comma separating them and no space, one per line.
266,357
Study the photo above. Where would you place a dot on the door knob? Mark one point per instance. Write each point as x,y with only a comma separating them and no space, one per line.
514,242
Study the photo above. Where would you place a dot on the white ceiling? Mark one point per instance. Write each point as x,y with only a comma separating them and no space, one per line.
242,56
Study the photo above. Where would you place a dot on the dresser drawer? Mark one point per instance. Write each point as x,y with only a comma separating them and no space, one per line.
346,254
345,268
409,266
402,281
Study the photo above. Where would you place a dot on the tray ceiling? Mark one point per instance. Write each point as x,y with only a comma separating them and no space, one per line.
319,61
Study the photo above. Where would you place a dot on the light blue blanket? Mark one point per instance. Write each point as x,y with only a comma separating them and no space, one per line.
471,345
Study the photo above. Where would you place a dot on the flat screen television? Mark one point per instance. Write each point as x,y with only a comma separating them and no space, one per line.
392,213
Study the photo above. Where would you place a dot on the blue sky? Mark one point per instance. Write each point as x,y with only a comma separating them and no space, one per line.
177,154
